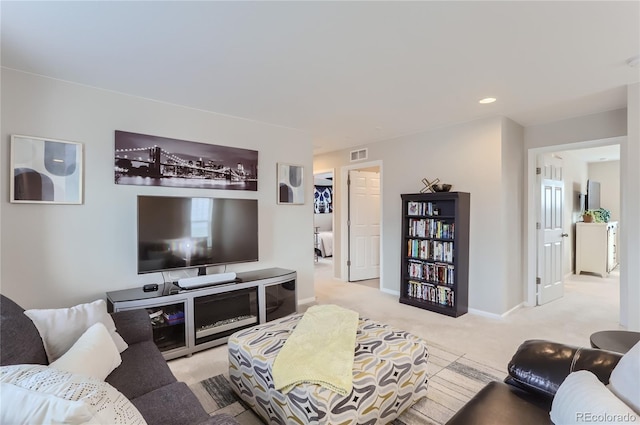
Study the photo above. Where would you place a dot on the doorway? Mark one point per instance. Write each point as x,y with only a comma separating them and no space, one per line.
361,223
576,160
323,218
551,234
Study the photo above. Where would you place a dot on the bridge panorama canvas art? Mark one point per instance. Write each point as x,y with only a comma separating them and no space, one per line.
146,160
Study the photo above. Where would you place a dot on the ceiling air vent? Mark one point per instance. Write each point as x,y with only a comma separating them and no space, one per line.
359,155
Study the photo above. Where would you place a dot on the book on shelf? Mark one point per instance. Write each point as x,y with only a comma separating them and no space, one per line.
413,208
418,248
174,318
431,228
420,208
441,295
430,250
434,272
155,313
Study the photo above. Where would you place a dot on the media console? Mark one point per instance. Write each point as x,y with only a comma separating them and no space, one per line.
185,321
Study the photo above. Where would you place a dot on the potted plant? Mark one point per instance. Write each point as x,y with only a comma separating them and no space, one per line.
602,215
596,216
588,216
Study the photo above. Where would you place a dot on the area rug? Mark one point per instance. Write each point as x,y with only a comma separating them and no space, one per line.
453,380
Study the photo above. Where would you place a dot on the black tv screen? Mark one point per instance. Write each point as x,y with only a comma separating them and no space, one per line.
592,201
179,232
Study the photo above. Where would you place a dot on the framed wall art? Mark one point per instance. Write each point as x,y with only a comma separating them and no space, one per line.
290,184
46,171
322,199
141,159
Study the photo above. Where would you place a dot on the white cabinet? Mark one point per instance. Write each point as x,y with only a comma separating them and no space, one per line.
612,243
596,247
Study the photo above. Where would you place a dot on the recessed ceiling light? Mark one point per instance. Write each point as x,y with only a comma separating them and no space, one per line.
487,100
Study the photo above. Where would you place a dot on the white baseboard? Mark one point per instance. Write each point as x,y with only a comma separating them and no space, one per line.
390,291
494,315
307,301
508,312
484,313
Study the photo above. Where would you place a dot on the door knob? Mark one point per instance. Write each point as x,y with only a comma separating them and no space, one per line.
565,235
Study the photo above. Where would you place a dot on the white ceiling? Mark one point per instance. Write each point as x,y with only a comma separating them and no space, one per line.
598,154
347,73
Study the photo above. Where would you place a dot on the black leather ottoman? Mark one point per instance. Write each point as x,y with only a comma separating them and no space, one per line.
500,403
536,371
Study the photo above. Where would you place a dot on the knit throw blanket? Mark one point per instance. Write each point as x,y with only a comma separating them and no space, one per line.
320,350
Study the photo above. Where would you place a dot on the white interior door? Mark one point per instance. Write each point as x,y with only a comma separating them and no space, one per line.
364,225
550,279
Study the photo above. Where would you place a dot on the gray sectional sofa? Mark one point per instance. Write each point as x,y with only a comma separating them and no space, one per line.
143,377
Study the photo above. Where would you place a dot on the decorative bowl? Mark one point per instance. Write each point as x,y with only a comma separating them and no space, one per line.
441,187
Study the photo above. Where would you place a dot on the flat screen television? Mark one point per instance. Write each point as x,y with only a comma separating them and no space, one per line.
184,232
592,200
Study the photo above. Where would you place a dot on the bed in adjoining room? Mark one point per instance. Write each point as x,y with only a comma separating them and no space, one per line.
324,227
325,244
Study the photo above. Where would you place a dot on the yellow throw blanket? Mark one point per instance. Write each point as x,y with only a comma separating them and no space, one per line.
320,350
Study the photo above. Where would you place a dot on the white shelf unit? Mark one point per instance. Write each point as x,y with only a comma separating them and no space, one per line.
596,247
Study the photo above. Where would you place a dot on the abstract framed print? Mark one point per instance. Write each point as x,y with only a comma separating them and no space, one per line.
45,171
290,184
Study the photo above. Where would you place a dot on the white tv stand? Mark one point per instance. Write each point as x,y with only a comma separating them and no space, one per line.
185,321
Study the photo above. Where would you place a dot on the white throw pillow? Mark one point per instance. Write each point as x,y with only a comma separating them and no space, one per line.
60,328
625,378
38,408
45,395
582,398
94,354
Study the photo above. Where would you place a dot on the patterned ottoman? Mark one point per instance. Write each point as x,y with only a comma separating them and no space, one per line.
389,375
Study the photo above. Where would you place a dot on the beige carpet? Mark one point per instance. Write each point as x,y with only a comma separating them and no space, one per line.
590,304
453,380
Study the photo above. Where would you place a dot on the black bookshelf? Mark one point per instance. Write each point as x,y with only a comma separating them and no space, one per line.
435,252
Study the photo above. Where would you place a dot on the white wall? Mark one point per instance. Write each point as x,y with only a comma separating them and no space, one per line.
324,222
468,156
608,174
629,234
322,182
2,159
59,255
604,125
512,201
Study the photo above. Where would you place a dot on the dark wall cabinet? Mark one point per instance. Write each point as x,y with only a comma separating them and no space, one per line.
435,252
